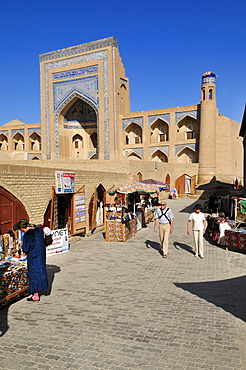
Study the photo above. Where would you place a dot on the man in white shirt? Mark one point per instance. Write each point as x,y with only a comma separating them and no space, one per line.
197,219
164,217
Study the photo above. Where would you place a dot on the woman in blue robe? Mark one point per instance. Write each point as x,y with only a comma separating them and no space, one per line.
34,247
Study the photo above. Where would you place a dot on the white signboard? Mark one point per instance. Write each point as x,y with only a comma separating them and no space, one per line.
64,182
60,242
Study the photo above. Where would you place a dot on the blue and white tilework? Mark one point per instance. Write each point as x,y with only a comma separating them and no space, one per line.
193,147
87,86
128,121
75,59
32,130
164,149
21,131
79,127
138,151
75,73
164,117
4,133
193,113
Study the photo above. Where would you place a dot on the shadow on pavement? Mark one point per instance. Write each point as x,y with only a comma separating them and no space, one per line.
154,245
229,294
51,271
4,320
186,247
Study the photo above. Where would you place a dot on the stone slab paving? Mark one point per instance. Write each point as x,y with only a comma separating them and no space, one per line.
122,306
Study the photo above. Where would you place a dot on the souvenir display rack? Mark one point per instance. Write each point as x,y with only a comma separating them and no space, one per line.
13,269
119,226
235,239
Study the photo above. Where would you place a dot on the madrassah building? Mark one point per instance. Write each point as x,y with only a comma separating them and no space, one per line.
86,124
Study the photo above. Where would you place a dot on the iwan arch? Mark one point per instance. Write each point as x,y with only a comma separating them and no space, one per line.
85,117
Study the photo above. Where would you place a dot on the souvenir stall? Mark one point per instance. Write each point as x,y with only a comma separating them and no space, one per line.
13,269
124,214
235,239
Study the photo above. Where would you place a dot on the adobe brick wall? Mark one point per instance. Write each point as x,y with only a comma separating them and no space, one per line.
32,185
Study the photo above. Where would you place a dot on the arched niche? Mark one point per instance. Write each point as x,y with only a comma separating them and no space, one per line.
19,142
187,155
35,141
187,129
77,116
95,209
3,142
159,156
77,141
133,134
159,131
134,156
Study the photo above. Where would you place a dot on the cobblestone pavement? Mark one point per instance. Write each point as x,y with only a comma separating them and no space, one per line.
122,306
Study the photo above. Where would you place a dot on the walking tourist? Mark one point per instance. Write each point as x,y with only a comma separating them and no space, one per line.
197,219
34,247
164,217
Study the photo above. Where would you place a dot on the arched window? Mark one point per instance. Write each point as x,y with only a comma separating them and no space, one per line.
35,141
18,141
162,134
210,94
77,141
3,142
137,136
190,133
203,94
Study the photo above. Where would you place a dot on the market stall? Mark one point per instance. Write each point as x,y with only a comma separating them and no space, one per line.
13,269
127,211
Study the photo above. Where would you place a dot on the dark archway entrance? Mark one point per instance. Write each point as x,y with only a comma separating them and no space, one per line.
78,119
11,211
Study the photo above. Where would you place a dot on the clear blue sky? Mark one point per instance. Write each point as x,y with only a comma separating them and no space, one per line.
165,46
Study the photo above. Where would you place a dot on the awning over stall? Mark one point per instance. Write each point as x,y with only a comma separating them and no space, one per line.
161,185
134,187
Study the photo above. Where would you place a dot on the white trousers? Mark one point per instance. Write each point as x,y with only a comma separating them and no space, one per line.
198,240
164,231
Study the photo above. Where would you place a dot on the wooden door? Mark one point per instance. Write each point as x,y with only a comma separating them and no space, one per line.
11,211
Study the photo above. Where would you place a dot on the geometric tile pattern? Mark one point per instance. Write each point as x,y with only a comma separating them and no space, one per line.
31,130
21,131
164,117
75,73
193,113
164,149
138,151
4,132
87,86
126,122
72,59
193,147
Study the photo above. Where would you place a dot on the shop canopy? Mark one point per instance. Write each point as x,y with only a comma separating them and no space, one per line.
134,187
215,185
161,185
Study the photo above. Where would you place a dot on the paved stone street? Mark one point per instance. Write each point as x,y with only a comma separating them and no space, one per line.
122,306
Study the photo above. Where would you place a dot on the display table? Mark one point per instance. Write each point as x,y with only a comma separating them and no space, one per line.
235,239
13,282
118,231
